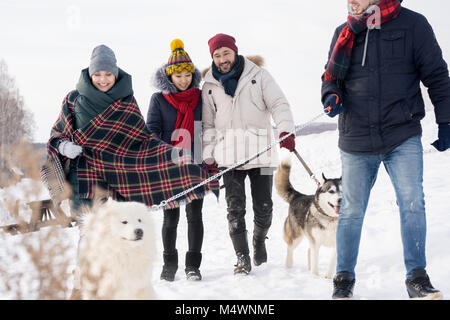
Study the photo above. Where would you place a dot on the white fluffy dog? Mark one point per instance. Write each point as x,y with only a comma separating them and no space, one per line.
116,252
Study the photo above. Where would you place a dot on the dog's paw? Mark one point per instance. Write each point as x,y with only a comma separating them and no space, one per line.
289,263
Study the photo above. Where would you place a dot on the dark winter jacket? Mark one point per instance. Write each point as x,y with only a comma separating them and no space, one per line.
383,99
162,116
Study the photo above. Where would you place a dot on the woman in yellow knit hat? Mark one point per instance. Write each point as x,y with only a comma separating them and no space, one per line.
171,116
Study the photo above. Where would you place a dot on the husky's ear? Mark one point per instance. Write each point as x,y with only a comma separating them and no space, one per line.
323,179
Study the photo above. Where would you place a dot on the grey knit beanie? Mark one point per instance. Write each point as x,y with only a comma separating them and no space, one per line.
103,59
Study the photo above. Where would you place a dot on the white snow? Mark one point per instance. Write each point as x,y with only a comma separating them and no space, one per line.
380,271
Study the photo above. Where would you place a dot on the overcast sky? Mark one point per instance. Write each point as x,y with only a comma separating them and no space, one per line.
47,43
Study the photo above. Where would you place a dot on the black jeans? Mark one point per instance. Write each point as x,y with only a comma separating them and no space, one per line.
195,227
76,202
261,190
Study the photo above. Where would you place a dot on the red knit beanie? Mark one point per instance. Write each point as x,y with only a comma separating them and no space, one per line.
222,40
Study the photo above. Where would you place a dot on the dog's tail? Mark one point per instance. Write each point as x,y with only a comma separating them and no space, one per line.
282,183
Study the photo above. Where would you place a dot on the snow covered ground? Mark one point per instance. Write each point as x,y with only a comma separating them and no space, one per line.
380,270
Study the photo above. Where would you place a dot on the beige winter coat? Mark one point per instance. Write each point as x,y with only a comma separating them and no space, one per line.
237,128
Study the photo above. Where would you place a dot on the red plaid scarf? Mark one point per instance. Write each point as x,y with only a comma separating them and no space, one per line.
185,102
339,62
118,151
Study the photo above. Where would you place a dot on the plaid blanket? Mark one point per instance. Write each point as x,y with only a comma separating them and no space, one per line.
340,59
119,151
54,178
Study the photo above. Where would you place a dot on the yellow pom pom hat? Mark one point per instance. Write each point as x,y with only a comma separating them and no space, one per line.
179,60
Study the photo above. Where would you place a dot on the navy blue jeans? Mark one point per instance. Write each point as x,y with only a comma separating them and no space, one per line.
359,172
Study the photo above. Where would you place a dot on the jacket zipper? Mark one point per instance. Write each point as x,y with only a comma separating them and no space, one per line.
365,47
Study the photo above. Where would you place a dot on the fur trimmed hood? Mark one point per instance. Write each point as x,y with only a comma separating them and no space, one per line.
258,60
162,82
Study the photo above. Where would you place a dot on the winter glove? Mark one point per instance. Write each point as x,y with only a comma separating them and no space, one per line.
211,166
443,142
288,143
333,105
69,149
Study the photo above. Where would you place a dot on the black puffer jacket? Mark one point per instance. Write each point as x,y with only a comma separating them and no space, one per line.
383,99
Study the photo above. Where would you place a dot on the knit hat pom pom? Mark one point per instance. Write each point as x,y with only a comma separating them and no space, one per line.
176,44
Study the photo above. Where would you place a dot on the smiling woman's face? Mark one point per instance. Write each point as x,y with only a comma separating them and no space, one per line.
182,80
103,80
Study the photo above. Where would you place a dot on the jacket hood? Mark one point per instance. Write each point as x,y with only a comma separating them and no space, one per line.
258,60
162,82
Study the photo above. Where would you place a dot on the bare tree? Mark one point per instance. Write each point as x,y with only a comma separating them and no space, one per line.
16,122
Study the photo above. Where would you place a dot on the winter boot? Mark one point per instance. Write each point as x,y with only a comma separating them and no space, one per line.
243,265
343,286
193,260
259,246
240,244
170,266
419,286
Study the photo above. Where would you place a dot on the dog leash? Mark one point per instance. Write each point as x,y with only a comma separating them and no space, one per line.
164,203
311,174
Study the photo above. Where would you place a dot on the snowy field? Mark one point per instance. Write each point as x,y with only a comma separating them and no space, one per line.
380,270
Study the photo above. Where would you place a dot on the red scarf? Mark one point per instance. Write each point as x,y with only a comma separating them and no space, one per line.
185,102
339,63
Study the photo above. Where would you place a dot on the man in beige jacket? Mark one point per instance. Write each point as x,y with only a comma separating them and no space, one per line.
239,101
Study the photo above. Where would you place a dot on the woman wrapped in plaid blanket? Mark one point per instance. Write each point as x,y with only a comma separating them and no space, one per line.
103,135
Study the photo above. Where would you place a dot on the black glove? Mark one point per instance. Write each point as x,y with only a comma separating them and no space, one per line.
443,142
333,105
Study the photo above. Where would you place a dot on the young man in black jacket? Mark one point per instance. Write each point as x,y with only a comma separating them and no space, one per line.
372,80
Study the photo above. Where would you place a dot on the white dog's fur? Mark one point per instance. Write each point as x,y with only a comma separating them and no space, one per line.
114,262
